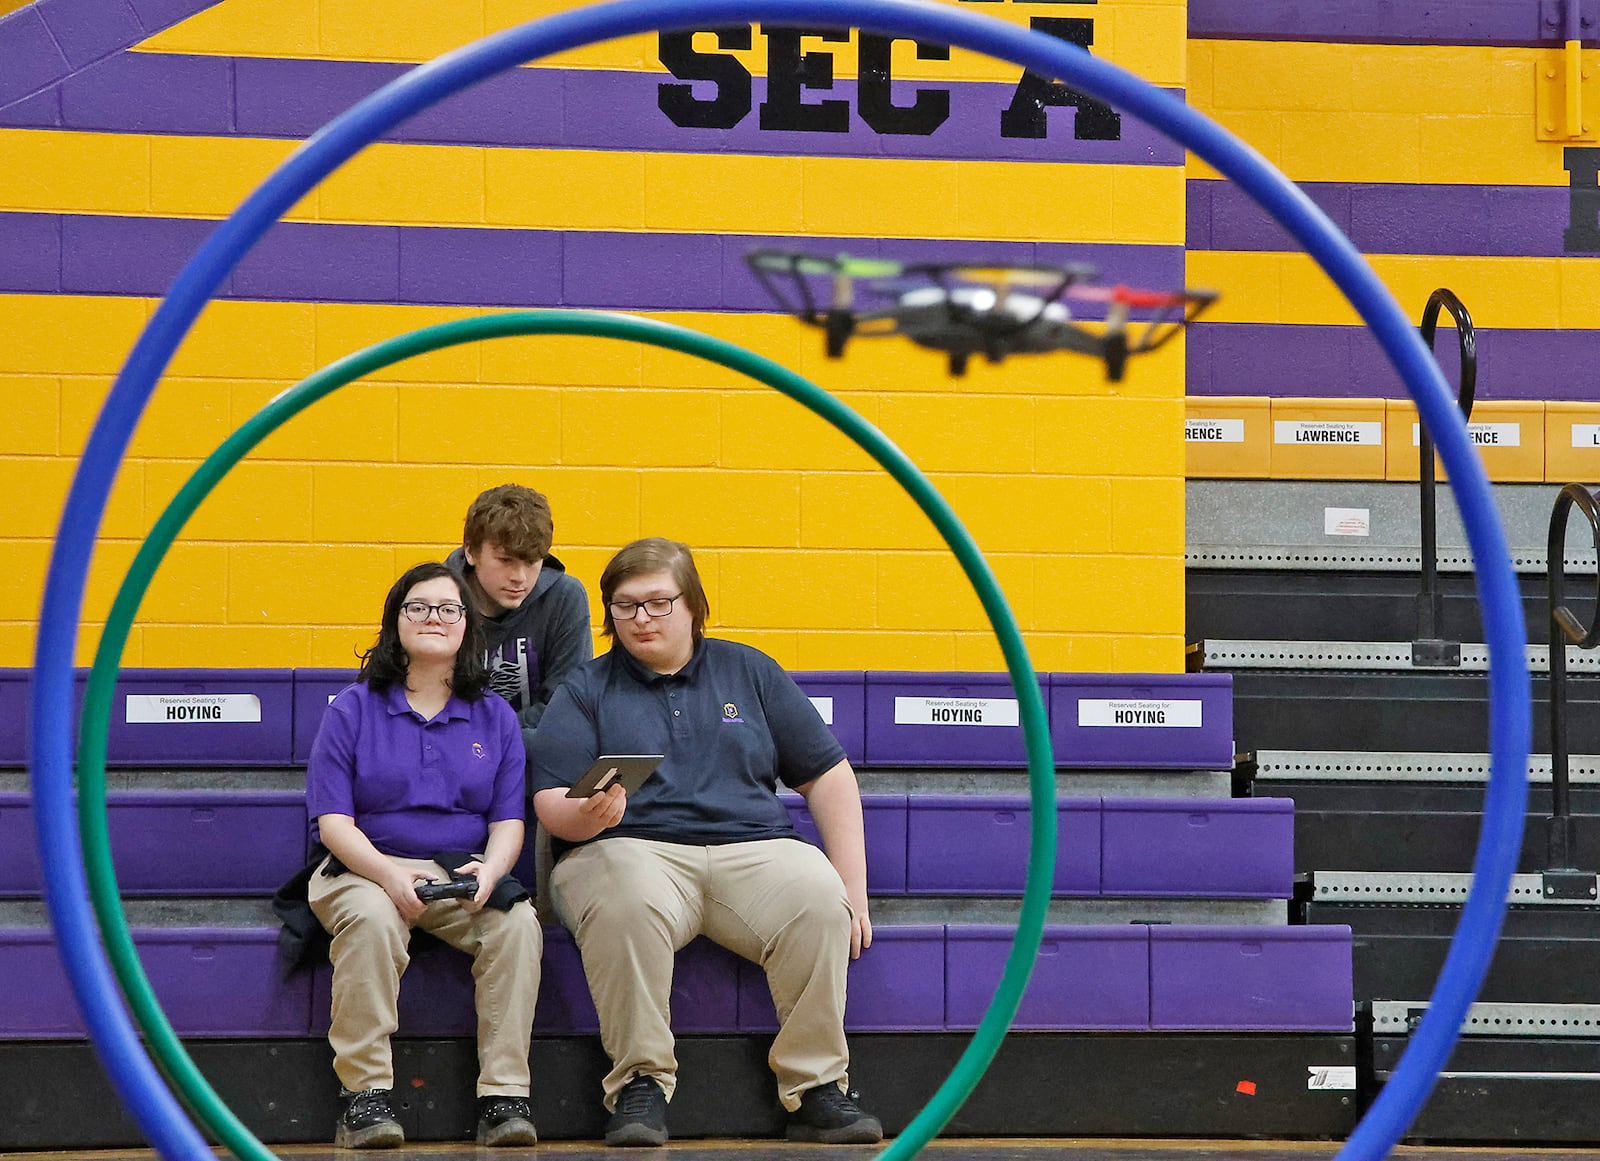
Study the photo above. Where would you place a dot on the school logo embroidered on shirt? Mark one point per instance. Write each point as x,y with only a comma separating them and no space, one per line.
478,751
730,712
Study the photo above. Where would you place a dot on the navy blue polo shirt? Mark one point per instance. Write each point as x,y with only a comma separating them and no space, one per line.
417,787
731,723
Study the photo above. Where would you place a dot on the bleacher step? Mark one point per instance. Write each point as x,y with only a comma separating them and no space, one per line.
1366,656
1426,710
1402,926
1393,1017
1128,783
1530,1089
1292,514
1413,813
1391,766
1399,887
960,910
1320,602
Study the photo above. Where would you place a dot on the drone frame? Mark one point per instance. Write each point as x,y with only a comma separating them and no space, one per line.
991,331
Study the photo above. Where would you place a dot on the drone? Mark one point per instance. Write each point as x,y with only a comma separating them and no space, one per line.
966,309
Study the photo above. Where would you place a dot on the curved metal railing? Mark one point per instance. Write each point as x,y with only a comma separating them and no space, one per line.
1565,629
1428,649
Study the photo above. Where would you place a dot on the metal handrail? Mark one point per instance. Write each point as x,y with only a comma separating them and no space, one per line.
1565,628
1428,649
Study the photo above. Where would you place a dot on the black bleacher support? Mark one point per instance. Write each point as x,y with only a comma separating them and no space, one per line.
1345,605
1415,827
1348,605
1422,710
1040,1084
1545,954
1521,1090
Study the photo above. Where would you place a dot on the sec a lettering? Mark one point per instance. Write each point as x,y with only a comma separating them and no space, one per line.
793,68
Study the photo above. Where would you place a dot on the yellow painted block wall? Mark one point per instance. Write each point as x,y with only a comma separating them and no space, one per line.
1396,140
1072,485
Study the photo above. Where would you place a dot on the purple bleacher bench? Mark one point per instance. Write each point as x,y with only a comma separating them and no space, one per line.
14,717
896,986
175,842
841,699
1085,977
1251,978
958,844
1197,847
1161,720
215,982
943,719
230,717
240,842
182,717
228,982
884,818
1168,847
270,717
313,690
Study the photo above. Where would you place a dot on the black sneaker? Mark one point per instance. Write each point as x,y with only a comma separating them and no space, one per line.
641,1116
368,1121
504,1121
830,1116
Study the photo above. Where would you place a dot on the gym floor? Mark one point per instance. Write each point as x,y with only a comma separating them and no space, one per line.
951,1150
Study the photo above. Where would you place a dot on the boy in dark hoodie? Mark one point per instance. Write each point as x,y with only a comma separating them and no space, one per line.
536,617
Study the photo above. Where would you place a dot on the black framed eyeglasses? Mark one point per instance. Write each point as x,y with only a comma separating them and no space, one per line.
654,607
448,612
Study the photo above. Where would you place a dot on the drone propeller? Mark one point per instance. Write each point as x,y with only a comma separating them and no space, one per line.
1022,275
1127,296
793,262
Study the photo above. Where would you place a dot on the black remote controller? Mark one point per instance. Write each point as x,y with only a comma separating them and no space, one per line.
464,888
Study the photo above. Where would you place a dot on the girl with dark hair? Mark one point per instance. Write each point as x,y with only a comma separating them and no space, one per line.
386,663
416,776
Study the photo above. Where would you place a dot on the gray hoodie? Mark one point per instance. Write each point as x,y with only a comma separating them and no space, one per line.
535,645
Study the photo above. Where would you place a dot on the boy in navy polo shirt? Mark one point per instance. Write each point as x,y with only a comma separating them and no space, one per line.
704,846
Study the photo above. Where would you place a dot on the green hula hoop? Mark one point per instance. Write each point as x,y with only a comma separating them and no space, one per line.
175,1062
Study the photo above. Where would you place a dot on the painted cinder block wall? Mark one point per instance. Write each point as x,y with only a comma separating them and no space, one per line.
1419,130
127,127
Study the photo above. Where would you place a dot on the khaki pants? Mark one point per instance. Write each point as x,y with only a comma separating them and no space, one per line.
370,953
632,903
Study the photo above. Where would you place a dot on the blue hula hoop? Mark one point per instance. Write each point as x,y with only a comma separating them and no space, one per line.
131,1071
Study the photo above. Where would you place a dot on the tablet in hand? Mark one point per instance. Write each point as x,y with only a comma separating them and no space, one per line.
626,770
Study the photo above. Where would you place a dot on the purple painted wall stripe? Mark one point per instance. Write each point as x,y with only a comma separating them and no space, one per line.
1345,362
1492,22
33,59
572,108
86,32
158,14
32,246
45,43
98,254
480,267
40,111
324,263
1475,220
192,96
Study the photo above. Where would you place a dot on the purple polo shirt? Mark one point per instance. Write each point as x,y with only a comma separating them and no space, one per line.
417,787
